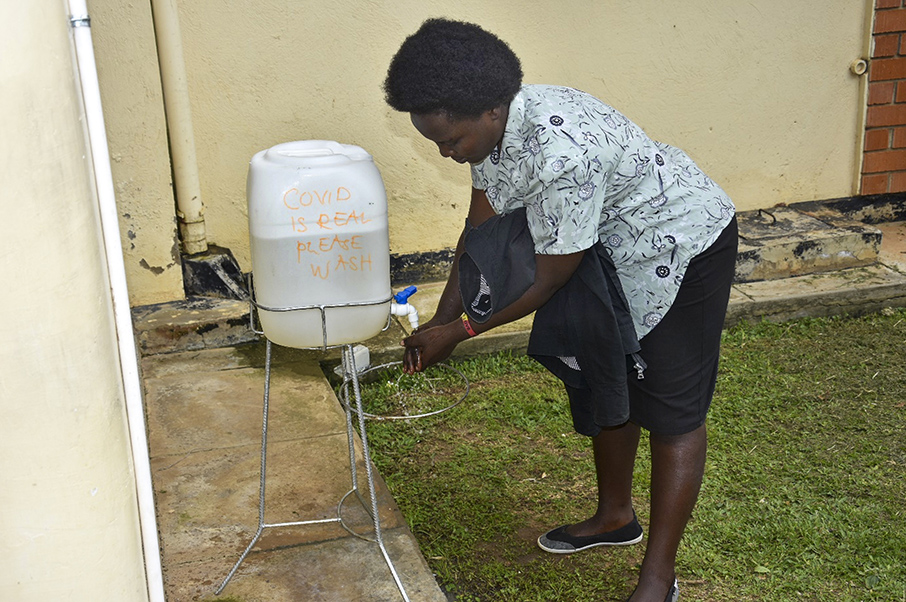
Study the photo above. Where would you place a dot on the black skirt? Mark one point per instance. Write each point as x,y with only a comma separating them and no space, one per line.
681,353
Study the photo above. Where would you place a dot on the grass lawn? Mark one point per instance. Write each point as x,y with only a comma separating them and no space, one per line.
804,495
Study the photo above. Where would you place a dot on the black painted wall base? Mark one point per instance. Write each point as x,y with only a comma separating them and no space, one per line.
214,273
433,266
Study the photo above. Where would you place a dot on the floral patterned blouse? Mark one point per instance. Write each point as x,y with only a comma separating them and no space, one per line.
584,173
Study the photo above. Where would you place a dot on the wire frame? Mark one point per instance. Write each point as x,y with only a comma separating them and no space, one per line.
408,397
254,306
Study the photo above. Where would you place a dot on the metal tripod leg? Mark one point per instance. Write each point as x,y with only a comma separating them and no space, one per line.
352,373
262,525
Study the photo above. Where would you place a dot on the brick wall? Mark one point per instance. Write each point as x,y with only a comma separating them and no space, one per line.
884,165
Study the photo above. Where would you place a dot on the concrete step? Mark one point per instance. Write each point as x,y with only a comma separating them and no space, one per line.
781,242
853,291
190,325
780,245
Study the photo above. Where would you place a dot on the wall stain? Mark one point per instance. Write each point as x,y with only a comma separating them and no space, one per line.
156,270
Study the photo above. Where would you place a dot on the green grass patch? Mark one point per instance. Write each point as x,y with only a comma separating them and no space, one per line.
804,489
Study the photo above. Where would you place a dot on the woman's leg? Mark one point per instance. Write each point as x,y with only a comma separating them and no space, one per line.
672,402
677,466
614,453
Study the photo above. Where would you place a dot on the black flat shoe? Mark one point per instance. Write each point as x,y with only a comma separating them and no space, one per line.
558,541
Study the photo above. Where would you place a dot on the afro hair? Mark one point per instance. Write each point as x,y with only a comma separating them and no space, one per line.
454,68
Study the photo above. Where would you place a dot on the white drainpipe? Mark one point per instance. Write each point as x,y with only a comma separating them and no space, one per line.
128,357
859,67
189,208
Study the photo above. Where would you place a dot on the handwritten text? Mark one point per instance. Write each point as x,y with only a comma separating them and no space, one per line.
327,249
295,199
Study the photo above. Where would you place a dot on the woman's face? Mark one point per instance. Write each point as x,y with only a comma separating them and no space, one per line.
468,140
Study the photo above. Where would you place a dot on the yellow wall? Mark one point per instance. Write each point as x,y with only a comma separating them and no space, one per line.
68,515
758,93
134,114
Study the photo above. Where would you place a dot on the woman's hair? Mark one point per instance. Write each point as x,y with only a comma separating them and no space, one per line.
452,67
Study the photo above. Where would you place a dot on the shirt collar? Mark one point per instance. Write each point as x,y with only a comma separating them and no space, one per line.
512,139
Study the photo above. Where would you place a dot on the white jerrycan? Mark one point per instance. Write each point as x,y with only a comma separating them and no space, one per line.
319,237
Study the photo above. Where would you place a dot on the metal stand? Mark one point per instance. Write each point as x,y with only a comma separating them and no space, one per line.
351,376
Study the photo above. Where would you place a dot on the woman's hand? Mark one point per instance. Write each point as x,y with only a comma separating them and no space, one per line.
430,345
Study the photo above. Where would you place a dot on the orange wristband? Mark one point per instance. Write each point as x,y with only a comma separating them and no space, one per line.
468,326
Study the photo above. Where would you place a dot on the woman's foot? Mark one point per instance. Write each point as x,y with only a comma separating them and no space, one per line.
560,541
654,592
596,525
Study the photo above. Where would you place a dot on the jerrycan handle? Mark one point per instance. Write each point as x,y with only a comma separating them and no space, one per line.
302,151
310,148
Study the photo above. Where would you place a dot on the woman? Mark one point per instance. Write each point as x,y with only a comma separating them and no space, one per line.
626,229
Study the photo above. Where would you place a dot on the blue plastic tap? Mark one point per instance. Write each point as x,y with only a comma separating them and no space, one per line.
402,297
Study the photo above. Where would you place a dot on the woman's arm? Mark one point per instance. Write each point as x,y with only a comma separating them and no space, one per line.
449,307
551,273
431,345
